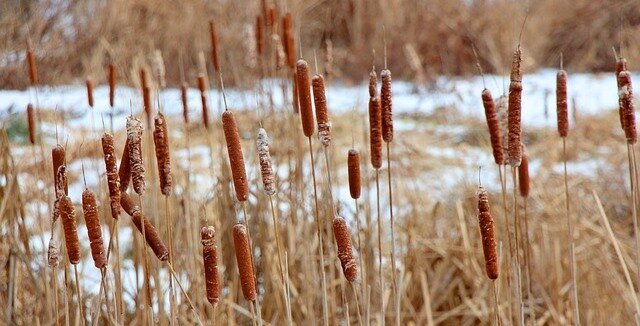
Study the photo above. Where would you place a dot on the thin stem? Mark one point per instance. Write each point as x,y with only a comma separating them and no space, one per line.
527,262
253,266
517,253
572,257
355,295
172,300
496,306
79,294
502,171
147,287
189,302
393,239
633,179
55,293
360,250
381,279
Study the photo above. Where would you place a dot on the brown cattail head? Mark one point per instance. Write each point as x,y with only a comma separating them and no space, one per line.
210,258
89,208
214,45
144,82
287,39
345,251
322,116
31,122
236,160
185,102
494,126
113,178
90,92
112,85
53,254
205,110
146,99
523,175
266,166
386,105
244,261
260,34
621,65
628,108
375,132
561,103
515,110
70,228
489,245
134,137
202,83
153,238
373,84
161,142
353,167
295,101
304,97
272,16
124,172
58,159
31,62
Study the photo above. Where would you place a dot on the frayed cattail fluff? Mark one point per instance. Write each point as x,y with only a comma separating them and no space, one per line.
628,107
489,245
31,122
134,136
159,68
494,126
90,92
153,238
113,178
304,97
386,106
185,102
53,254
523,175
375,130
266,166
322,116
112,85
295,101
259,35
515,110
70,227
31,62
502,111
161,142
244,261
345,250
373,84
124,172
353,168
58,159
61,179
561,103
214,45
210,258
236,160
89,208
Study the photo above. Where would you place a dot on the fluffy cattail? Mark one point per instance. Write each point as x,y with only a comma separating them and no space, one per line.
523,175
345,251
353,168
259,34
266,167
53,254
236,160
489,245
295,101
214,45
561,103
161,142
58,159
31,122
373,84
31,62
90,92
210,258
159,68
322,117
89,208
70,227
146,100
244,261
375,132
124,172
113,178
515,110
202,86
185,103
386,106
304,97
494,126
134,137
153,238
61,179
628,107
112,85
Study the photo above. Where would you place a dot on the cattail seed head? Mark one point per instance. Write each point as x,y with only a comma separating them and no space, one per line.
90,92
562,104
621,65
304,97
61,179
89,208
31,122
244,262
112,85
134,136
287,39
375,132
53,254
322,116
515,110
161,142
153,238
625,95
373,84
489,245
124,172
58,159
113,178
523,175
31,62
202,83
386,106
210,258
353,168
236,159
266,166
345,250
146,97
70,228
494,126
214,45
185,103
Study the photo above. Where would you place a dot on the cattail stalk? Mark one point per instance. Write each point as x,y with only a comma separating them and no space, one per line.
72,243
210,258
524,186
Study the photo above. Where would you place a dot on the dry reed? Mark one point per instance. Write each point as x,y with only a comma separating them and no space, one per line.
489,245
134,137
244,262
353,168
322,116
345,250
70,227
236,160
304,97
266,166
89,208
515,107
210,258
562,104
31,122
386,106
153,238
113,178
494,126
161,141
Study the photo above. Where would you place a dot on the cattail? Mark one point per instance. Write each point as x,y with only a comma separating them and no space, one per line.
69,224
561,103
375,132
259,34
210,258
159,68
287,39
185,103
61,179
112,85
373,84
245,264
295,101
214,45
515,107
93,228
236,160
202,85
345,251
621,65
153,238
494,126
53,254
143,79
161,142
523,175
58,159
353,168
266,167
31,122
134,136
146,99
113,178
280,54
124,172
304,97
322,117
31,62
272,16
90,92
489,246
386,106
628,107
